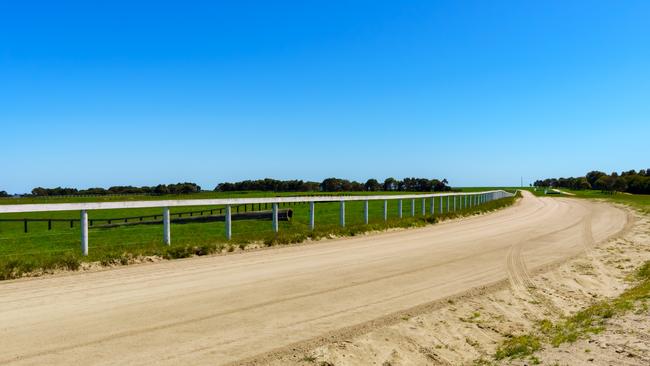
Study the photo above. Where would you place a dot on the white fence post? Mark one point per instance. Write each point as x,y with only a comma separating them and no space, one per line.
447,203
440,206
454,203
228,223
385,210
365,212
433,206
399,208
424,207
166,229
413,207
275,218
342,213
312,214
84,232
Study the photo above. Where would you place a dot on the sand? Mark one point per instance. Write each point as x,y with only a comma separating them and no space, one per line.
468,330
280,305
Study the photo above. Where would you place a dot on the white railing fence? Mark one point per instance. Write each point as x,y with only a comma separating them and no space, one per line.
465,200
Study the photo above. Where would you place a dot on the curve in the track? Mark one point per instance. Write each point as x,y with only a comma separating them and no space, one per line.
223,309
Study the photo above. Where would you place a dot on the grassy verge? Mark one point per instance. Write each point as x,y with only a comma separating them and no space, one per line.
45,250
591,320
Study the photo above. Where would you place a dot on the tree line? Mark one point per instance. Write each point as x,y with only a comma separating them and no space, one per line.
266,185
337,185
629,181
178,188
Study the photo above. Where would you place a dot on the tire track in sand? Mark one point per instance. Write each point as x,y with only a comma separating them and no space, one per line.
521,282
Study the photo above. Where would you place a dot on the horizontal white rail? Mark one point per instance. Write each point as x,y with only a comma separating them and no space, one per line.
47,207
467,199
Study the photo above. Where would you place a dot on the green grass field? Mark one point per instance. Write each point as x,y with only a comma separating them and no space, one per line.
41,248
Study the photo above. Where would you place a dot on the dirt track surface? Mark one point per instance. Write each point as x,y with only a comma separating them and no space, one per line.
225,309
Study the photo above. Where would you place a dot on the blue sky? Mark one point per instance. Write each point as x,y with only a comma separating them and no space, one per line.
478,92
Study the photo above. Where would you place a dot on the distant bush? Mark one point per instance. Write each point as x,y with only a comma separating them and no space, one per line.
268,185
336,185
265,185
178,188
628,181
390,184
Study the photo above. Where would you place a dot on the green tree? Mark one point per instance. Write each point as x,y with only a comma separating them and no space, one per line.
161,189
583,183
619,185
390,184
372,185
593,176
336,185
605,183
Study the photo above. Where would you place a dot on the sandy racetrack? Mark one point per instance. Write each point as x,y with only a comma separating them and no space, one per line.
224,309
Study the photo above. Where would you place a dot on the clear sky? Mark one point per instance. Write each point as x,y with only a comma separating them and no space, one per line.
480,93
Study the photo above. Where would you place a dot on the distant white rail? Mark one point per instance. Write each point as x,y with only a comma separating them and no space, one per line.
465,200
